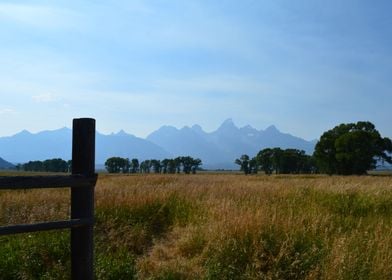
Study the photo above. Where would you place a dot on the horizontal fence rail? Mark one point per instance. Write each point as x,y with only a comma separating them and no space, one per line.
15,229
40,182
82,183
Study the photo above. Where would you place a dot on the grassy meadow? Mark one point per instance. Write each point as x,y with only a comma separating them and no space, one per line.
212,226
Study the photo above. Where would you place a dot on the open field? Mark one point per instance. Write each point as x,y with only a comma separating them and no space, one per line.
212,226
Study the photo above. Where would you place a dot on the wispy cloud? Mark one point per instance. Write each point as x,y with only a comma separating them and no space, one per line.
45,98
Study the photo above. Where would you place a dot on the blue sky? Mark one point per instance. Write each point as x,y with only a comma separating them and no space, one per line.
304,66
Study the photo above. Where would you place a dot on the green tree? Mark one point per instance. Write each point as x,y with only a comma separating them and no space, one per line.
145,166
49,165
172,166
126,165
134,165
35,166
187,163
277,160
253,166
288,161
156,165
55,165
307,164
117,165
265,160
195,164
165,164
178,163
243,162
352,148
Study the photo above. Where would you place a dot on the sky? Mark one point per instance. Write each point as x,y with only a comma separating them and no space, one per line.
303,66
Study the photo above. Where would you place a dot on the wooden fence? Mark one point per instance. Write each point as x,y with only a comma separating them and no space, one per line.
82,183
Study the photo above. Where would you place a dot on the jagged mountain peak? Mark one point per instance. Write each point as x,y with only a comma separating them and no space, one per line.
197,127
164,130
248,128
23,133
228,125
167,128
228,121
271,128
122,133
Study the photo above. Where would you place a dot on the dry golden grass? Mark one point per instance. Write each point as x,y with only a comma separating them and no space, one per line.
231,226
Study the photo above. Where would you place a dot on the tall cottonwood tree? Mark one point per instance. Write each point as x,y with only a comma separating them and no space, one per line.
352,148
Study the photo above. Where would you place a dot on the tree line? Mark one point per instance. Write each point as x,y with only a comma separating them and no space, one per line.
49,165
278,161
347,149
185,164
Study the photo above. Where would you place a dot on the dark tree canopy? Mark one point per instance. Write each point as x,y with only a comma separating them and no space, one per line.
266,160
269,160
117,165
49,165
288,161
243,162
185,163
134,165
352,148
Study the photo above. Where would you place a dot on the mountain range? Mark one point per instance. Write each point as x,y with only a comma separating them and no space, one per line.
5,164
217,149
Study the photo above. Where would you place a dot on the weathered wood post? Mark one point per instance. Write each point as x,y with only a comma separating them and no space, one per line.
82,199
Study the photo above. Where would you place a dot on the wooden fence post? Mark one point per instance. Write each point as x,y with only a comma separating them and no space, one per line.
82,199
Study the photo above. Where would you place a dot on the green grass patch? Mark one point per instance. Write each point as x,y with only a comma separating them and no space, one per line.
118,265
206,227
357,204
270,254
43,255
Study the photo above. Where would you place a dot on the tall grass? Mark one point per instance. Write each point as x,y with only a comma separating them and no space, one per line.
213,227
